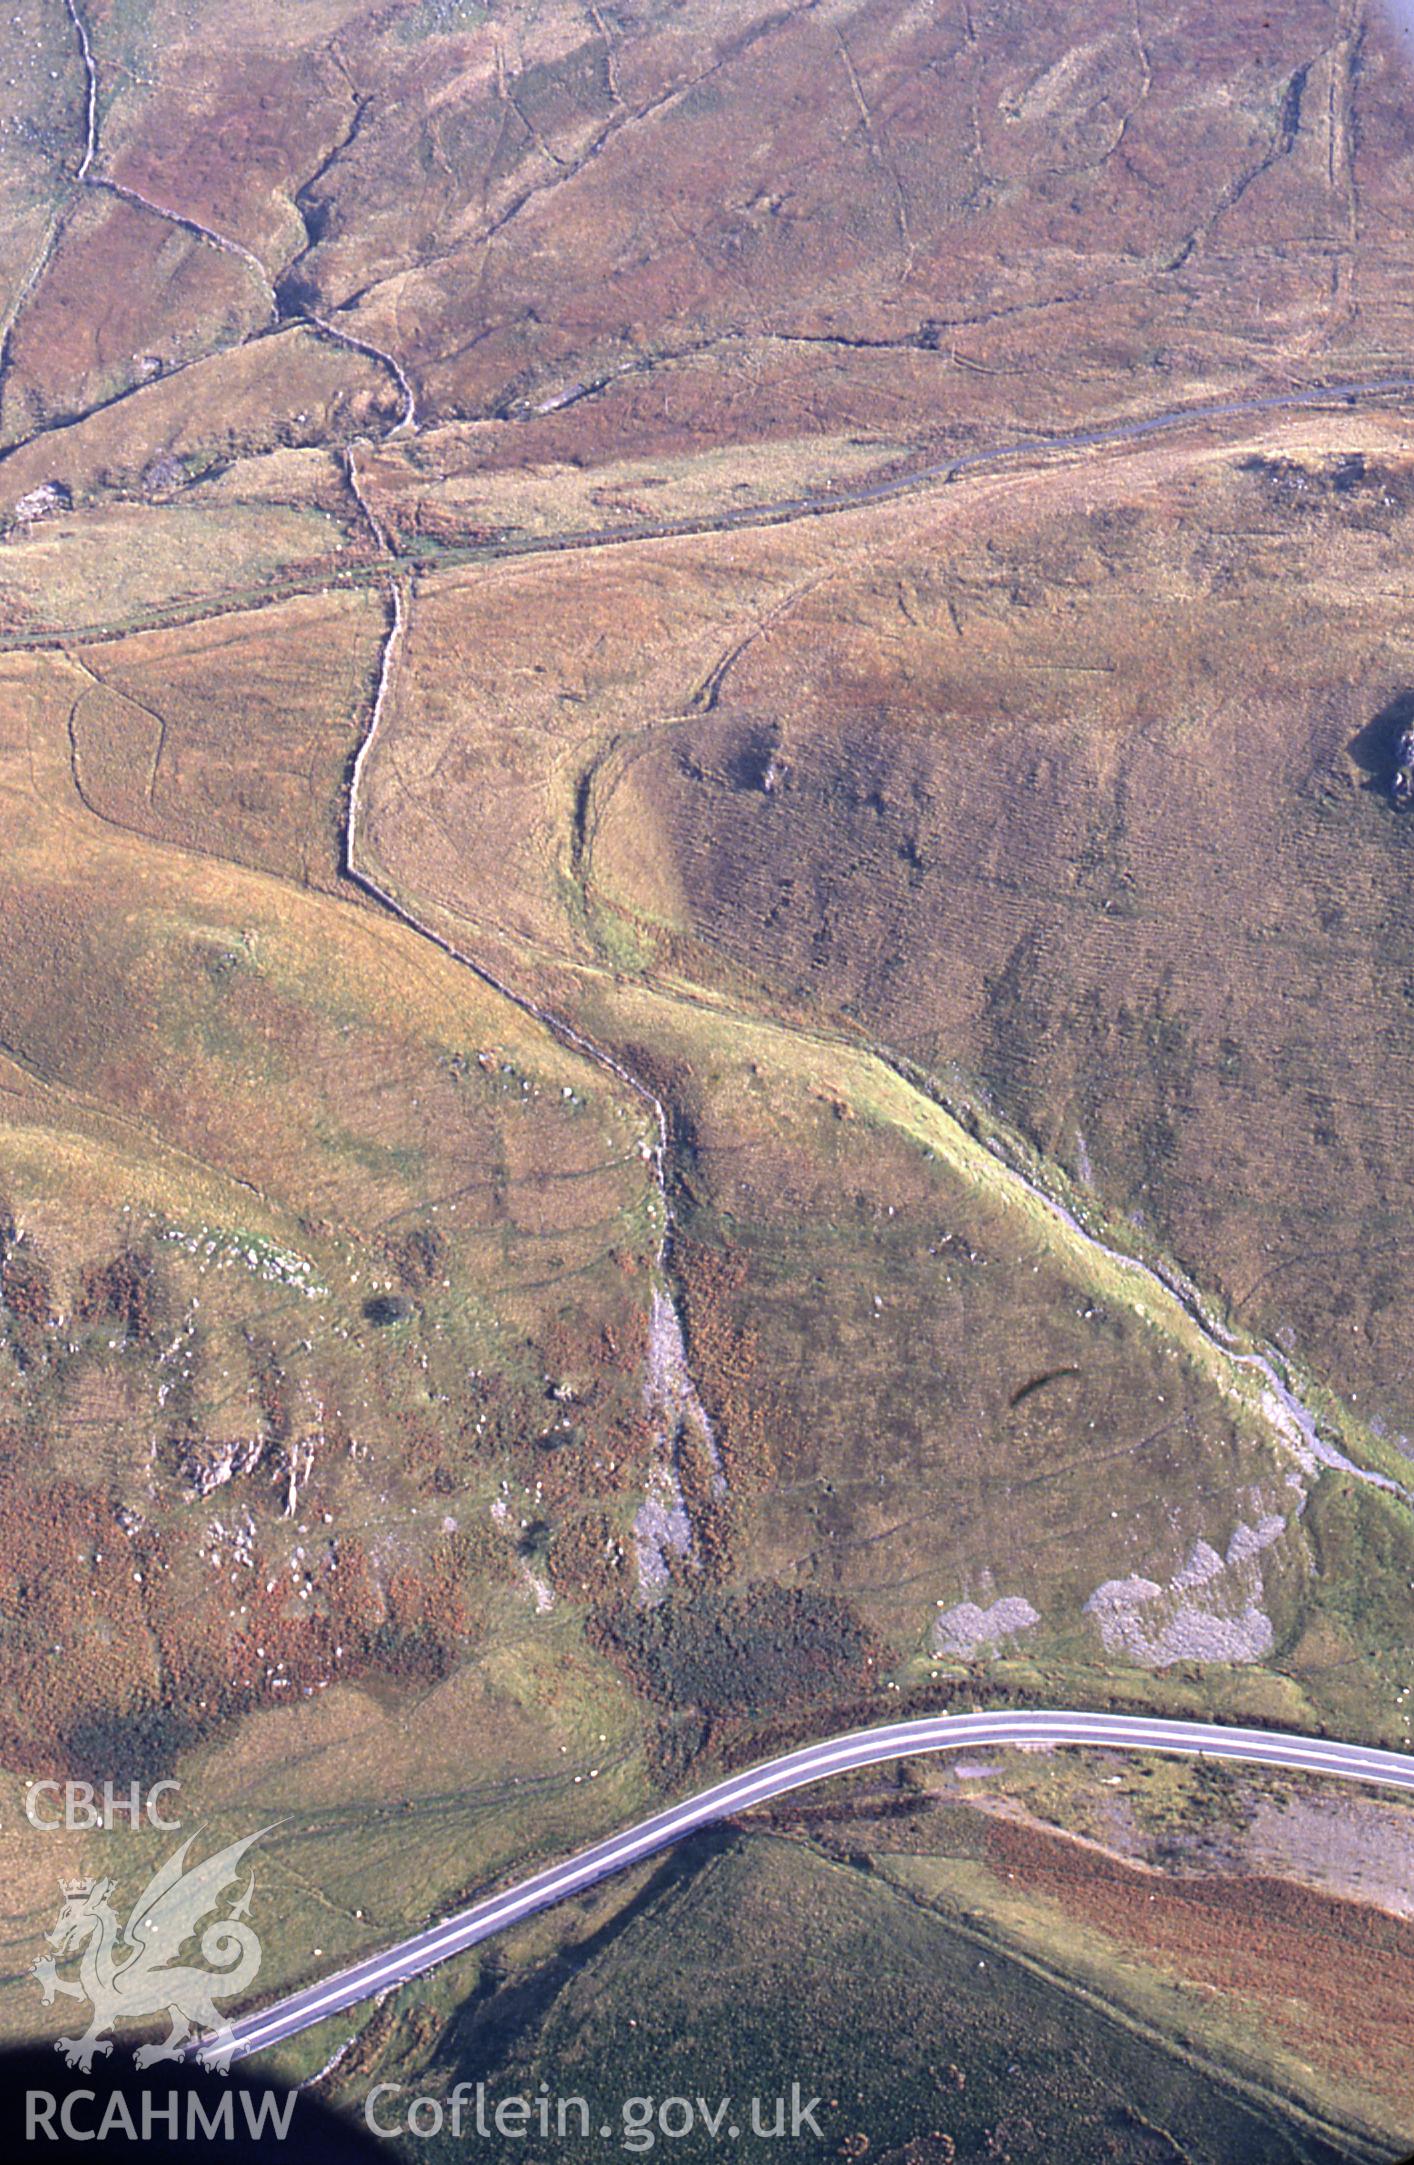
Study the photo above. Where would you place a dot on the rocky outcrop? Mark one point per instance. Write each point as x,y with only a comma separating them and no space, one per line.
1401,786
968,1629
1210,1610
206,1465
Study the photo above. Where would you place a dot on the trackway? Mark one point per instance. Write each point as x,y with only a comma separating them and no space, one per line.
1014,452
423,1950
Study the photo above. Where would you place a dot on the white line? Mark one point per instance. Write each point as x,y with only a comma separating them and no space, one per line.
408,418
194,226
1222,1340
797,1770
91,73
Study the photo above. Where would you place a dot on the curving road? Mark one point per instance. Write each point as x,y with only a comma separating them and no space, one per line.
796,1770
422,1951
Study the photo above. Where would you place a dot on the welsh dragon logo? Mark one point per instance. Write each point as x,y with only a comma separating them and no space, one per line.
131,1973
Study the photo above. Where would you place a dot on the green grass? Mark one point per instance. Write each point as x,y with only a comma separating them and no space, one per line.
745,1967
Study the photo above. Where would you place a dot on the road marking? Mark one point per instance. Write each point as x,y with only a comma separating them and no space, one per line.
778,1777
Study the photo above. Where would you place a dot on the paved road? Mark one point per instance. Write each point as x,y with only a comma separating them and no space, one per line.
796,1770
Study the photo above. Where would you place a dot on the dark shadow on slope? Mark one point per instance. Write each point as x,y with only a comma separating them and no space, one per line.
163,2113
1377,748
504,2013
